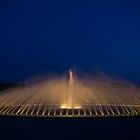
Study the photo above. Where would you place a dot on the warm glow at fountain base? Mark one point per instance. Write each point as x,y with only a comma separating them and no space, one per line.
67,106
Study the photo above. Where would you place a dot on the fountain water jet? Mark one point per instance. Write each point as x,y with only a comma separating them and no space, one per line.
71,88
71,97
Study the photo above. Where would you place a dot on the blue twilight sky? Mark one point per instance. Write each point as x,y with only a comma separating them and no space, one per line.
49,36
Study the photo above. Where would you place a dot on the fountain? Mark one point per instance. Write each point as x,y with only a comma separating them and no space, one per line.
73,97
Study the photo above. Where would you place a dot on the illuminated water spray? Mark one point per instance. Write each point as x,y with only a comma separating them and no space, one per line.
73,97
70,89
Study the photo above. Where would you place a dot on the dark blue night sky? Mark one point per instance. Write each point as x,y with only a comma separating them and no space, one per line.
47,36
